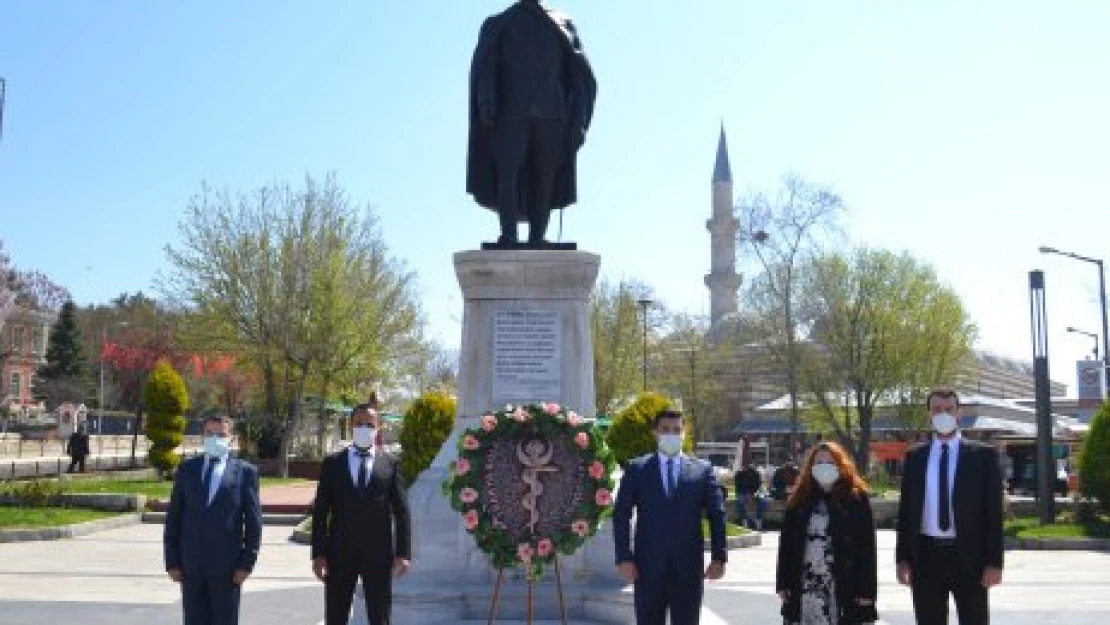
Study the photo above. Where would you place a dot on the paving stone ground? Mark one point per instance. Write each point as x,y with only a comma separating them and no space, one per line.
116,578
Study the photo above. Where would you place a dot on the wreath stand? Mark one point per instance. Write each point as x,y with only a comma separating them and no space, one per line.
497,594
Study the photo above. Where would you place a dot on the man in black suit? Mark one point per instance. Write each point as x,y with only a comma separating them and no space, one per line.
360,524
78,449
213,529
950,520
670,494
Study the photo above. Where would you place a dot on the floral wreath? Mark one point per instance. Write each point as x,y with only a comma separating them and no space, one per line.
465,487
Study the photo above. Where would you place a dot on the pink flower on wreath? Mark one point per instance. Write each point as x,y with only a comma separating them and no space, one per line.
462,466
603,497
520,414
582,439
597,470
524,551
468,495
471,520
471,443
489,422
580,527
545,547
573,419
551,408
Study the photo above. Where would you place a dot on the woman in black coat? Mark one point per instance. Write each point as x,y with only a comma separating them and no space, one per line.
826,564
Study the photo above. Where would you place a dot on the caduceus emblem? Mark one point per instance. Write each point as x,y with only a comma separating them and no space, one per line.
535,456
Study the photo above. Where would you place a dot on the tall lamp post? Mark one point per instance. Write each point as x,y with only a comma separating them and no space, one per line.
1044,249
644,303
3,90
1045,471
1086,333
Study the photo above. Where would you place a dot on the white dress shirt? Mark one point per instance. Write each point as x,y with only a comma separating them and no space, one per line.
353,458
217,475
930,512
676,468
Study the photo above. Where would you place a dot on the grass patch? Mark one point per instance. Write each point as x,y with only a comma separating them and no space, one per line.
12,517
731,529
1031,528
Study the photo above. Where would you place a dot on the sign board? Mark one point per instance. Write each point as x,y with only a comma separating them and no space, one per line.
1090,386
527,359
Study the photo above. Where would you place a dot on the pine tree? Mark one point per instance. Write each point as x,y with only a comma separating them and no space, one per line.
63,376
167,399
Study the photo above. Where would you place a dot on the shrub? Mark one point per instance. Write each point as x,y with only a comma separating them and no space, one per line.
631,434
1094,460
167,399
428,423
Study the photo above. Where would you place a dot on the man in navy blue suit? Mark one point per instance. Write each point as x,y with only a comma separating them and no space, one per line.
213,528
670,493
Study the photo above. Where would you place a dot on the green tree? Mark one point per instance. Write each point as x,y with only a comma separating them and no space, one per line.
884,331
617,328
1094,461
428,423
298,282
631,434
64,375
167,399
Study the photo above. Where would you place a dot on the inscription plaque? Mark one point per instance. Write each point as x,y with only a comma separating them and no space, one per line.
526,356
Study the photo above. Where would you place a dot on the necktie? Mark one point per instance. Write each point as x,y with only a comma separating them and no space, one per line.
945,505
206,481
362,458
670,477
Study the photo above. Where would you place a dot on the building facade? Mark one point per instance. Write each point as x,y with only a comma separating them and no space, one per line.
23,341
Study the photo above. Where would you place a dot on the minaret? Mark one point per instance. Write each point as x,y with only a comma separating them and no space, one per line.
722,279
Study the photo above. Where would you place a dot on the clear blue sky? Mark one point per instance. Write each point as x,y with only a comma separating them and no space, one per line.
967,133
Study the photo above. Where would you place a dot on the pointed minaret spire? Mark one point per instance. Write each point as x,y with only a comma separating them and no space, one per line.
722,171
722,279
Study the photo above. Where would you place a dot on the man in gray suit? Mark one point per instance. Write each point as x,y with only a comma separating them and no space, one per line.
213,528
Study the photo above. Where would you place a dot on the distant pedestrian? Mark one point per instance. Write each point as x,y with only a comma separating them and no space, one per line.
748,483
78,449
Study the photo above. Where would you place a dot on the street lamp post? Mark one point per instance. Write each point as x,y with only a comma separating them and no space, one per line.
1093,335
644,303
1044,249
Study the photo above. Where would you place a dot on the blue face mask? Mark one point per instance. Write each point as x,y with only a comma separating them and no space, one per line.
217,446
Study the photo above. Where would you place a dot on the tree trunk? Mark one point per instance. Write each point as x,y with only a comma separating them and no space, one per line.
863,448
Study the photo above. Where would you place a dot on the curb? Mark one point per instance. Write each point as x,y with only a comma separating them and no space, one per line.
267,518
1059,544
754,539
68,531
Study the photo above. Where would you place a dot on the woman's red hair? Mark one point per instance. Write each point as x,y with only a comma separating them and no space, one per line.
850,484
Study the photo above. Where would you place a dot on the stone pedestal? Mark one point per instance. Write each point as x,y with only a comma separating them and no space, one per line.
526,330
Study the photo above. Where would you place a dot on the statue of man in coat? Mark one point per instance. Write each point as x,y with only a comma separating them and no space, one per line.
531,100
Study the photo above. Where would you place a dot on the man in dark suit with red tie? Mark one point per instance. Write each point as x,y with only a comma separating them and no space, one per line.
950,520
360,524
670,494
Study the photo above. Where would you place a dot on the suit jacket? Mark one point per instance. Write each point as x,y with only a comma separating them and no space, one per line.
976,506
347,520
216,538
852,530
668,530
78,444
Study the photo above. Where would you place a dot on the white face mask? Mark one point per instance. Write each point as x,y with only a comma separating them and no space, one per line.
670,444
944,423
826,474
364,436
216,446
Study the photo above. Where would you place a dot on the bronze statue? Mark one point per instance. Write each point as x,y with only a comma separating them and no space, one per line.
531,100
